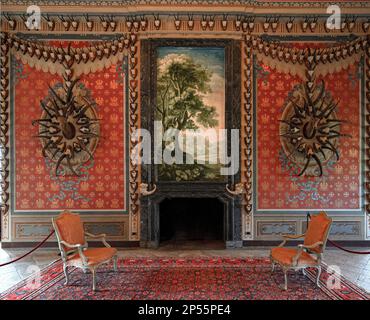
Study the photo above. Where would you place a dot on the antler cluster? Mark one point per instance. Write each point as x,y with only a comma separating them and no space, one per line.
68,128
309,128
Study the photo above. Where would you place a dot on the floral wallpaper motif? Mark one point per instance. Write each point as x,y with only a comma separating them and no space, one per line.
17,67
278,186
103,185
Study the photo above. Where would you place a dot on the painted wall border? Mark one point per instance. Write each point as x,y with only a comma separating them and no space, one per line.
4,140
247,136
367,138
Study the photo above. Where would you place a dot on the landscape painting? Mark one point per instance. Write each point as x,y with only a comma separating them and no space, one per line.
191,100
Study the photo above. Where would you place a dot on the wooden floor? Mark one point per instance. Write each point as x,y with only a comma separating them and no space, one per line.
354,267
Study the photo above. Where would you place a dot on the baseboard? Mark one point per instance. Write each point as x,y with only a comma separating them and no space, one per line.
272,243
234,244
130,244
115,244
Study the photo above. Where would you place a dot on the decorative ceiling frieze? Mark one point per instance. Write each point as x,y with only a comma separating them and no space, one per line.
252,3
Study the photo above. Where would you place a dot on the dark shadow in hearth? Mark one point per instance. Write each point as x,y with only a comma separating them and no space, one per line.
192,223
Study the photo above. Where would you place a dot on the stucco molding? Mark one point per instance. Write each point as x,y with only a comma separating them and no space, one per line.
134,115
4,139
249,3
247,139
367,138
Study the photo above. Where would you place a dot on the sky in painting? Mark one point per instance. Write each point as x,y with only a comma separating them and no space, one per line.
214,59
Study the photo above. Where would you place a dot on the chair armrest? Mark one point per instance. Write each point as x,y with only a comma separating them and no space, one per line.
290,237
316,244
102,235
72,246
296,236
300,250
98,236
79,247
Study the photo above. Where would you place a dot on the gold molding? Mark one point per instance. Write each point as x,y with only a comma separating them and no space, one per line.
286,54
173,6
4,140
247,138
367,135
134,121
192,22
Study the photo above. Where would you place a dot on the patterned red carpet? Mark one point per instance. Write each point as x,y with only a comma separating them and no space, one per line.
175,278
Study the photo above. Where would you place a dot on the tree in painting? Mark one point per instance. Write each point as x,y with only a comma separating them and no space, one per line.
181,85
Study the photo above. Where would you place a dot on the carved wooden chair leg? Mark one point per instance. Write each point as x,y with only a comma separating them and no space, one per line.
318,276
115,258
94,278
65,269
285,279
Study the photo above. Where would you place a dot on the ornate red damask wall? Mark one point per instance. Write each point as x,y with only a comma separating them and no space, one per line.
104,186
36,186
278,188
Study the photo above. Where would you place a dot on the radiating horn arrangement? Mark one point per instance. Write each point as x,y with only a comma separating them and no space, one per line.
310,129
68,128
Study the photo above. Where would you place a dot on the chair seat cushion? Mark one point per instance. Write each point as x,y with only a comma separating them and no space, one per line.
94,256
285,256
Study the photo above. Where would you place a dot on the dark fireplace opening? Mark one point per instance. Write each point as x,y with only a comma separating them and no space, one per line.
191,219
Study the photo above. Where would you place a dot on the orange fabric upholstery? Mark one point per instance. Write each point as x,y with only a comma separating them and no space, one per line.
317,230
70,228
303,257
94,256
285,256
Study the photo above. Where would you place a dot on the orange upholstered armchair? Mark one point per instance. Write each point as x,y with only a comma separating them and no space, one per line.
74,248
308,254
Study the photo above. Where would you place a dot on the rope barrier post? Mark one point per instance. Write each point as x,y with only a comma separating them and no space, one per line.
308,216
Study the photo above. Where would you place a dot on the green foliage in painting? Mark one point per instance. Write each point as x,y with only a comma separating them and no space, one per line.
180,86
189,172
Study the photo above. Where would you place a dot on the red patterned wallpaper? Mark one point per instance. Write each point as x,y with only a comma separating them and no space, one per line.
37,188
278,188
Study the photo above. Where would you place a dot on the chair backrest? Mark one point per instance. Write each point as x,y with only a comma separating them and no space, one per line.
69,228
318,230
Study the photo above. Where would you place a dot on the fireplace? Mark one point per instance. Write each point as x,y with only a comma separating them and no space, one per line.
192,191
191,219
197,212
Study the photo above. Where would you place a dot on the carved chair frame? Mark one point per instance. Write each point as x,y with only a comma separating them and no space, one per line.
79,248
302,248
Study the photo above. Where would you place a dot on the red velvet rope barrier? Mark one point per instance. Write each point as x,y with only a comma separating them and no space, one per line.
29,252
337,245
52,232
347,250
